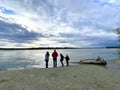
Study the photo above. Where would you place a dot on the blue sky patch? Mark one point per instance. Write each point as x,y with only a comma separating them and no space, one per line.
6,11
80,23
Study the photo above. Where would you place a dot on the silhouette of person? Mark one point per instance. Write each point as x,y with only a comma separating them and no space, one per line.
47,58
61,59
67,60
54,55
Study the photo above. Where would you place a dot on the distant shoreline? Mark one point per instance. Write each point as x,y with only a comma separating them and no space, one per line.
41,48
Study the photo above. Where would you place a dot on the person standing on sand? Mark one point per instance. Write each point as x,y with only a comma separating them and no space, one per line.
54,55
67,60
61,59
47,58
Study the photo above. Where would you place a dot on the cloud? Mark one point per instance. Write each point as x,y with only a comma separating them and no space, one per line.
5,11
111,2
16,33
79,23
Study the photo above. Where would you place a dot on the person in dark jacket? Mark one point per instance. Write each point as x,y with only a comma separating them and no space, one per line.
67,60
54,55
47,58
61,59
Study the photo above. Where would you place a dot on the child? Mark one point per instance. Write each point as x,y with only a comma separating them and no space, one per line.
67,60
61,59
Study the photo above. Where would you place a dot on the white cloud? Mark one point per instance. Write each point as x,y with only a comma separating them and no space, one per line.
113,2
5,43
84,18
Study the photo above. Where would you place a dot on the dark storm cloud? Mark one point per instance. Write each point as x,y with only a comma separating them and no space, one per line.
16,33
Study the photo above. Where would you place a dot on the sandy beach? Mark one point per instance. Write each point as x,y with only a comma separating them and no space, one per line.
80,77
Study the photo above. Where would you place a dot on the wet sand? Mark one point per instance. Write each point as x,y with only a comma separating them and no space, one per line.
80,77
118,62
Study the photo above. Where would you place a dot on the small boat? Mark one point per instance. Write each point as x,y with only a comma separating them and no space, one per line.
93,62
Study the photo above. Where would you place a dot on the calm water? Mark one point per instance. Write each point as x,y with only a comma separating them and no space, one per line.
20,59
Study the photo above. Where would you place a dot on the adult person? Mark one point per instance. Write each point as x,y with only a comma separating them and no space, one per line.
55,55
47,58
61,59
67,59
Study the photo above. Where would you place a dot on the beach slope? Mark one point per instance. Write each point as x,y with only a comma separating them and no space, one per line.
81,77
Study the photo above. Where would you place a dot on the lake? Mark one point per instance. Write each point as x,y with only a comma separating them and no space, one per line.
26,59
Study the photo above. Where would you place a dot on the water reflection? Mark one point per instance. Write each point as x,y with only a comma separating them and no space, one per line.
118,50
19,59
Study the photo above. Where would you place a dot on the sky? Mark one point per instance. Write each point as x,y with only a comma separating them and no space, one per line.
59,23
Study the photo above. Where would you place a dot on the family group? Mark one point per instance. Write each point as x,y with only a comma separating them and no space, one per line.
54,56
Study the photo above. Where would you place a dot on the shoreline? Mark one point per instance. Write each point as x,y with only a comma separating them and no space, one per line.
81,77
117,62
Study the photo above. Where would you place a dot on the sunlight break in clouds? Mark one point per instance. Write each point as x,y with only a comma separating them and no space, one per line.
37,23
